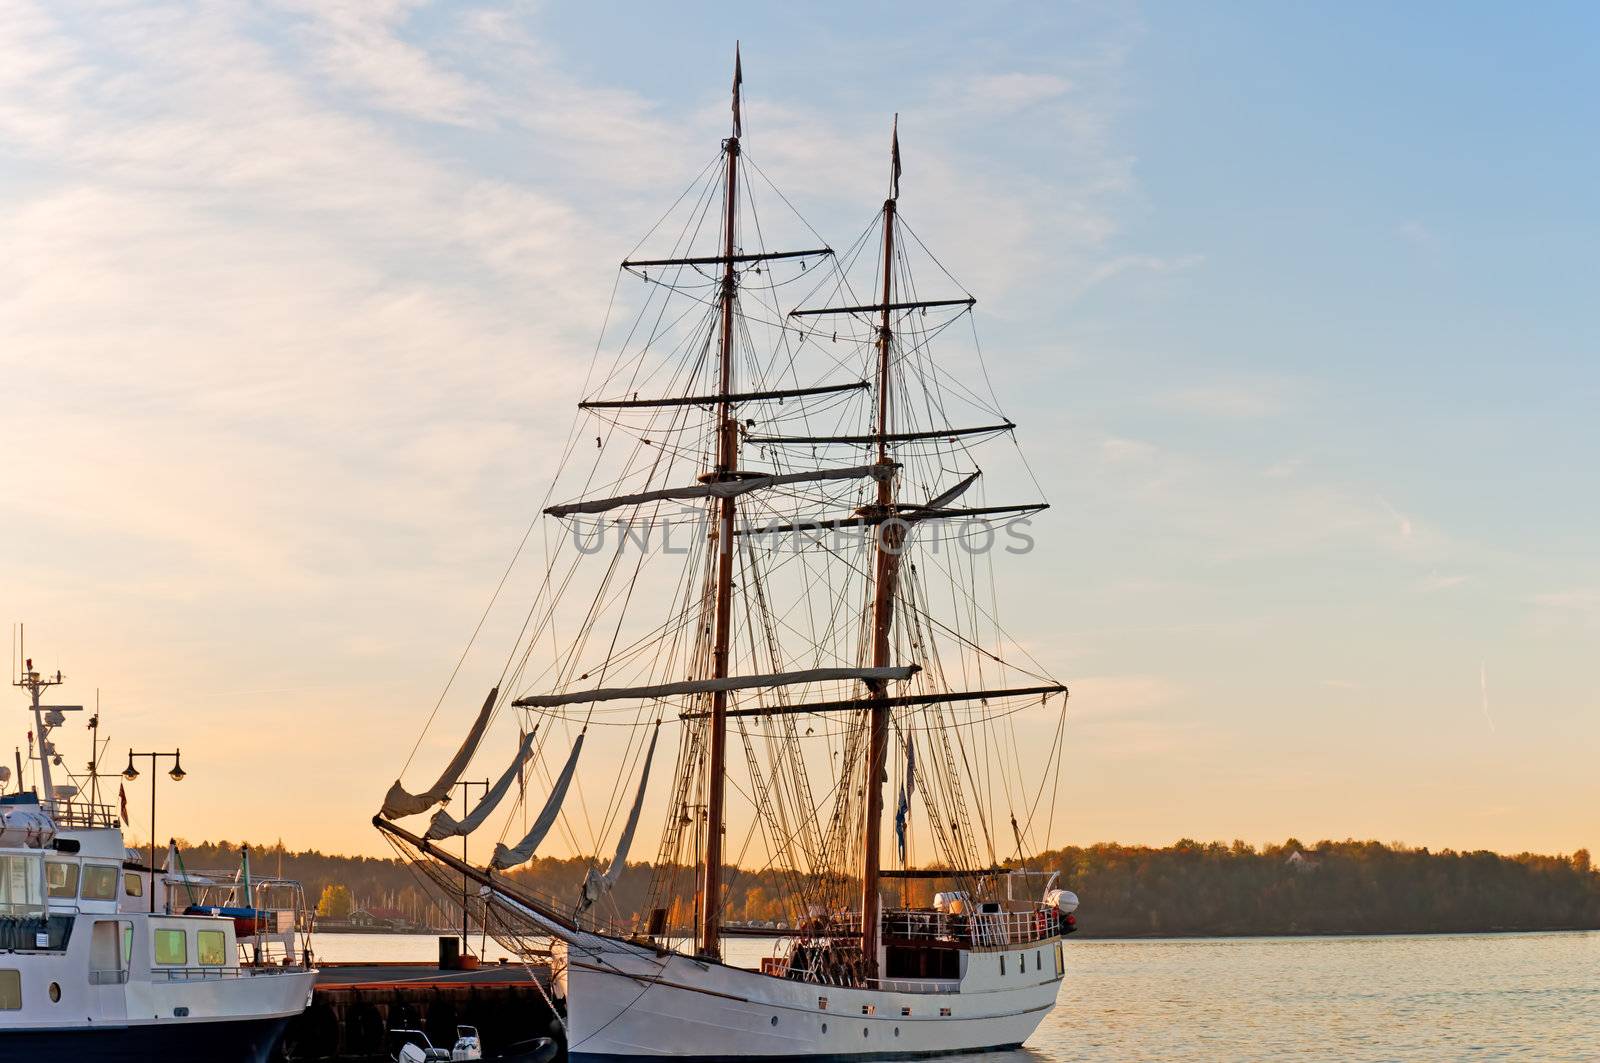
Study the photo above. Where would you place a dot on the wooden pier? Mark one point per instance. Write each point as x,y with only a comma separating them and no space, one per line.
355,1005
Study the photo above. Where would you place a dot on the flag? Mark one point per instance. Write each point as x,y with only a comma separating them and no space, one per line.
902,812
894,160
738,79
122,800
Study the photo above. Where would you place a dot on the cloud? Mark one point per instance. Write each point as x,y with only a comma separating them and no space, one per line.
1402,522
1237,401
1575,599
303,295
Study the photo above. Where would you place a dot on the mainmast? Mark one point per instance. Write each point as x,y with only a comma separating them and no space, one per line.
727,508
891,537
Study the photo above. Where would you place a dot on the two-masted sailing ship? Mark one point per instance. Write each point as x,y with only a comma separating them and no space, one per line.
770,549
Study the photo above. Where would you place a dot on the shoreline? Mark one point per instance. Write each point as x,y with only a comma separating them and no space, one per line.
1237,935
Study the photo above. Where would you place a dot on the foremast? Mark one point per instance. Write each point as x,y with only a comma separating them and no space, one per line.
886,571
727,513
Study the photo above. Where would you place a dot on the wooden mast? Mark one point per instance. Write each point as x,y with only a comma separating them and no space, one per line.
727,469
891,536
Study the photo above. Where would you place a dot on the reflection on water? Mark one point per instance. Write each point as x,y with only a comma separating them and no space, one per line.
1414,998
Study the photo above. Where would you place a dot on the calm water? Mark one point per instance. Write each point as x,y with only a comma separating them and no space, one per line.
1417,998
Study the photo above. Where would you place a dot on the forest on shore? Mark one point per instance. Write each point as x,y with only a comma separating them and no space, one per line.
1186,889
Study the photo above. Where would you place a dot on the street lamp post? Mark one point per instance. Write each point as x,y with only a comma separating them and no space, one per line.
466,789
177,774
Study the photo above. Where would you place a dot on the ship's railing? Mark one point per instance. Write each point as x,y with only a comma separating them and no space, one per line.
211,974
974,929
79,815
108,977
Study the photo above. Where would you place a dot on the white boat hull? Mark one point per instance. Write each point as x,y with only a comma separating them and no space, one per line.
627,1002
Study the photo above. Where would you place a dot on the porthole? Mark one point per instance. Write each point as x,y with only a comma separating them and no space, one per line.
774,1020
897,1031
55,992
824,1027
863,1031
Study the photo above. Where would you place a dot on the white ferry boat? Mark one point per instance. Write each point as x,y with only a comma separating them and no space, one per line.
101,956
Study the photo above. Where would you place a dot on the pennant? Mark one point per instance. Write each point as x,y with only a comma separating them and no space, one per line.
738,79
894,160
122,801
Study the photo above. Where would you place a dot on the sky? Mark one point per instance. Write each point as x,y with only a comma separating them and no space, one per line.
1293,305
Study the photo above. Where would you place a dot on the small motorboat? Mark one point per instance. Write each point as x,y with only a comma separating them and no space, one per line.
413,1046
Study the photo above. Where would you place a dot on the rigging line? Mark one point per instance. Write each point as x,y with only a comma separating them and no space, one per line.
499,586
693,184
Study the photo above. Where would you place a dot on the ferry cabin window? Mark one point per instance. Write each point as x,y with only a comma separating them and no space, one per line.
99,883
127,945
133,883
21,886
10,990
172,947
212,945
62,878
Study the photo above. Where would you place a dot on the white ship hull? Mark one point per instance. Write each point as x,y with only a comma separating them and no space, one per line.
627,1002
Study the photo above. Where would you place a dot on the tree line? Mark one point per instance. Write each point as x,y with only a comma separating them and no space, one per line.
1186,889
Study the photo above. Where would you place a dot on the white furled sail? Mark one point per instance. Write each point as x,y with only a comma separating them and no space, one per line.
708,686
444,825
724,488
506,858
398,802
597,884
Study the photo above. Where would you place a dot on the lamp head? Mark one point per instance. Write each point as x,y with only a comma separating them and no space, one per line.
130,772
177,771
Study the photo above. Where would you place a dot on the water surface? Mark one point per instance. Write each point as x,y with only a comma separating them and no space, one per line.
1427,998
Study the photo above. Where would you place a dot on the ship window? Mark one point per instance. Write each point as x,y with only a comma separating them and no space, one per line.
172,947
1038,960
869,1009
212,945
1002,965
1022,963
1061,963
21,886
133,883
99,883
10,990
944,1013
62,878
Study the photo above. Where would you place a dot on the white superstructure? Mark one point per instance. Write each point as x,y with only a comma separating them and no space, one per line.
99,959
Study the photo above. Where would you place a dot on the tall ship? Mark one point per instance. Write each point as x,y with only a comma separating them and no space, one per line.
104,955
768,591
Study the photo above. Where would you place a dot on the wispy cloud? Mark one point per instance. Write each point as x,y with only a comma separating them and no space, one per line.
1237,401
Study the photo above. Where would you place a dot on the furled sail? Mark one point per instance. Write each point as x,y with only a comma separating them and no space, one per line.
724,488
398,802
444,825
940,501
597,883
704,686
504,857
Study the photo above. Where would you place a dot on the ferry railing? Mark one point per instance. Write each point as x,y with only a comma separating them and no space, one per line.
79,815
211,974
108,977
